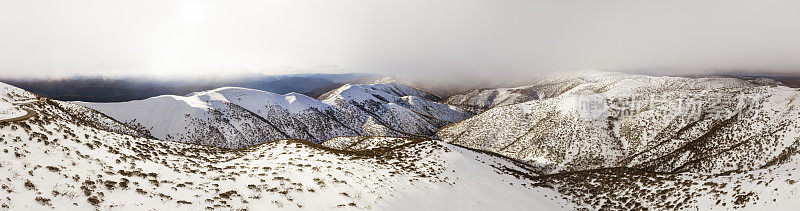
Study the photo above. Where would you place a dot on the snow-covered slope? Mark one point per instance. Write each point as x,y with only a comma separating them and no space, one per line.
10,97
13,94
773,187
71,157
405,114
659,124
619,141
56,161
237,117
480,100
394,87
9,111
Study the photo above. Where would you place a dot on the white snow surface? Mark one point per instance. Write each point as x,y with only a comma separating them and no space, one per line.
10,96
8,111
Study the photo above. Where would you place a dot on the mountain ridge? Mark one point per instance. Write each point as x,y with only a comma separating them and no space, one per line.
623,124
235,117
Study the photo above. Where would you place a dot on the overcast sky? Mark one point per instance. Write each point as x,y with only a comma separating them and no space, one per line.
168,37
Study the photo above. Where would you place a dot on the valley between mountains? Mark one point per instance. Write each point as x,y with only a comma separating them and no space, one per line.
594,141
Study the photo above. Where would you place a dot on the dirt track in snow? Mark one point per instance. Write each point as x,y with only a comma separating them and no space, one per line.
30,113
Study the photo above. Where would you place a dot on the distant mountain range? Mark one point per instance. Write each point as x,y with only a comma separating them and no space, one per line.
92,89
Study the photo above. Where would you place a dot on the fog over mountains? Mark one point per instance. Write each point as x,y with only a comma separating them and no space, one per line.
121,89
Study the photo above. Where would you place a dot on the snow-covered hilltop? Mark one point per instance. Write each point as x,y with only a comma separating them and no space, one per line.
10,98
662,124
237,117
480,100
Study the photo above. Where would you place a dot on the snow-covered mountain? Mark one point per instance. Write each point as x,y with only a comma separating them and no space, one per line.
480,100
620,141
660,124
65,157
237,117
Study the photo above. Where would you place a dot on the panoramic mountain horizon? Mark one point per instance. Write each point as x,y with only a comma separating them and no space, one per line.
399,105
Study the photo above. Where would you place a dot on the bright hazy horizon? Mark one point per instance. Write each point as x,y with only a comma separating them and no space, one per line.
181,37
